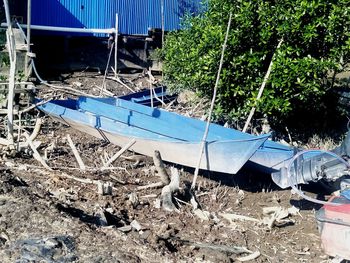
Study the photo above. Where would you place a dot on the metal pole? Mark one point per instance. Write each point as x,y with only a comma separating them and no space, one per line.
12,53
29,20
116,45
204,139
266,78
68,29
7,14
163,22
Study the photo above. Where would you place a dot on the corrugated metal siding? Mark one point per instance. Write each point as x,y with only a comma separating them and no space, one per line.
74,13
135,16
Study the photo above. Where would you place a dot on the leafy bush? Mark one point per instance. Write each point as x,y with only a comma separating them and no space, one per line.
316,39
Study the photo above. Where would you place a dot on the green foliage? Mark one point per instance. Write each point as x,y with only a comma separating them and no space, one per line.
4,59
316,34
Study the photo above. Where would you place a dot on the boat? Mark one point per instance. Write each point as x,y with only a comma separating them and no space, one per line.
145,97
176,137
179,138
269,158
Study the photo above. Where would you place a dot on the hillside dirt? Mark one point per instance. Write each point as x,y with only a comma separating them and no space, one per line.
54,216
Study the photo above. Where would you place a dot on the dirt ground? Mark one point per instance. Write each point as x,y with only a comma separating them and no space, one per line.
53,216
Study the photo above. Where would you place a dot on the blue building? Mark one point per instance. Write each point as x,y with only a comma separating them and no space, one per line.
136,17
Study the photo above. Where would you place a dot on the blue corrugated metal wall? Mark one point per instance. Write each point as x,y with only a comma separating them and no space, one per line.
135,16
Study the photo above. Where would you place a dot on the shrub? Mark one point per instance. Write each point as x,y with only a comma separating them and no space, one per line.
316,35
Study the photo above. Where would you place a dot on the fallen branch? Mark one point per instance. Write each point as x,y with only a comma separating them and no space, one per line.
117,180
118,154
36,104
252,256
233,217
76,153
90,169
36,154
4,142
222,248
154,185
106,70
36,130
117,79
136,158
81,180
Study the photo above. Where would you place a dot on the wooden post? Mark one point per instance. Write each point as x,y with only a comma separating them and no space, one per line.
116,45
29,19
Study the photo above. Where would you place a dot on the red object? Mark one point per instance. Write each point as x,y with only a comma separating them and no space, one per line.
335,227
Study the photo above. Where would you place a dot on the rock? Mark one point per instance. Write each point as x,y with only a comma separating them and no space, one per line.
136,225
59,249
125,228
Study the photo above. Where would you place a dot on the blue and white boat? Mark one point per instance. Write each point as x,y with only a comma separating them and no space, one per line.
176,137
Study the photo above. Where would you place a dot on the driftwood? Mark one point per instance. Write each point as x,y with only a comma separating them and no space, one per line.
76,153
160,168
154,185
118,154
117,79
117,180
169,190
37,127
36,104
136,158
162,173
222,248
32,137
252,256
36,154
234,217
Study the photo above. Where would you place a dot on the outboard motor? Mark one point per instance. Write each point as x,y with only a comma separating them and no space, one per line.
315,165
334,216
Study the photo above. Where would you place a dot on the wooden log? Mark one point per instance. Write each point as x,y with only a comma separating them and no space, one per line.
162,173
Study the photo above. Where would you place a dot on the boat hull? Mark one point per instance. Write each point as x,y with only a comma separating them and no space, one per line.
227,156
